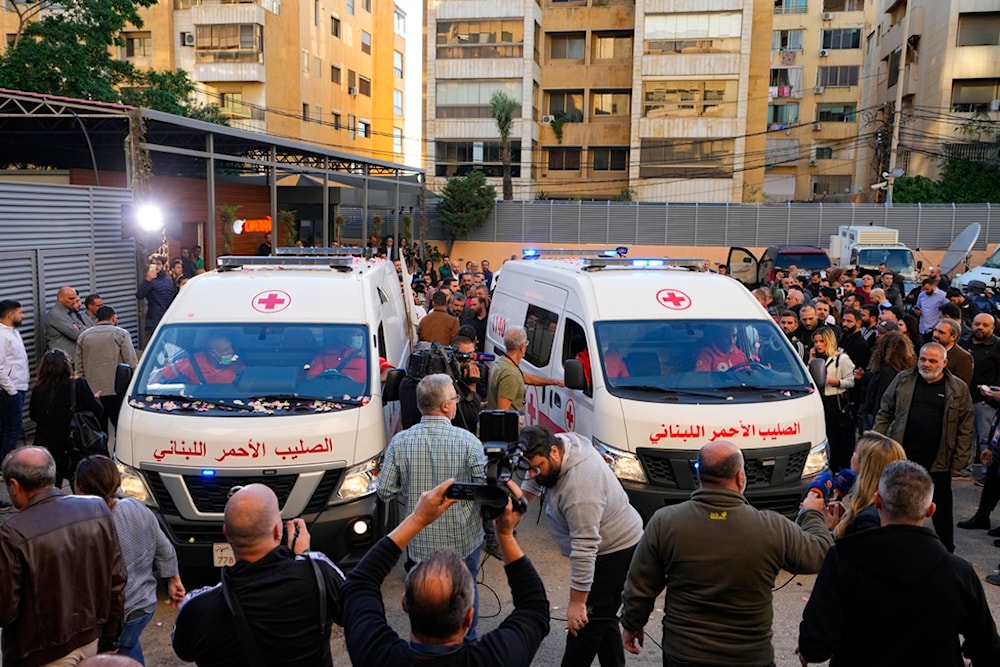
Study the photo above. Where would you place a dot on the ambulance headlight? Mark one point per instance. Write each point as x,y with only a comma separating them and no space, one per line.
817,460
134,485
624,464
357,481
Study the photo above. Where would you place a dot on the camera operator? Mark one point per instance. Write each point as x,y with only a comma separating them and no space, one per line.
458,362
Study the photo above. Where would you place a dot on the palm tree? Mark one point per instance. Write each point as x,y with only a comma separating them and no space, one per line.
502,109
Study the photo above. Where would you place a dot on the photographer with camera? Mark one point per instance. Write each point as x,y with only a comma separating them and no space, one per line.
438,599
458,361
423,456
594,525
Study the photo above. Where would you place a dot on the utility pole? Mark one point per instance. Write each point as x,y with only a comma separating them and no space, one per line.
898,110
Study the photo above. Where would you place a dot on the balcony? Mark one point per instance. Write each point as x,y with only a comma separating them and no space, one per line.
221,14
229,65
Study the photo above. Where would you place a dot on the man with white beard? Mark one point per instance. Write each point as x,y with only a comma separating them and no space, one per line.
929,410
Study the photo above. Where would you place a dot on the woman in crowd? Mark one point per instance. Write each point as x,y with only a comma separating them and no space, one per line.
858,512
839,378
910,326
893,353
147,552
51,406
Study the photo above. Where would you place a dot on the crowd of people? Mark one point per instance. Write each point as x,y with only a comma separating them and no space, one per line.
905,413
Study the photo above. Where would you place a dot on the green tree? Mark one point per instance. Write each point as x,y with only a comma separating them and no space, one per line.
917,190
466,204
502,108
64,48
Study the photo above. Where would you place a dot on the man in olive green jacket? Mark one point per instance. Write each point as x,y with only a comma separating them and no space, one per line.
929,411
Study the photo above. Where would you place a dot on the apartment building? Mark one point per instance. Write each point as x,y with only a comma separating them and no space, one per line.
950,73
664,100
322,71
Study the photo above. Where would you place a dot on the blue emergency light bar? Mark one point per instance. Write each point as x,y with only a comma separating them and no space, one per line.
233,263
536,253
682,263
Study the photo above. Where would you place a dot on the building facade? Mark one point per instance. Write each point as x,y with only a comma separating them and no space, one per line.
328,72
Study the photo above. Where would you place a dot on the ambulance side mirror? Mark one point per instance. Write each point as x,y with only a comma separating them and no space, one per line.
817,369
390,388
123,376
573,375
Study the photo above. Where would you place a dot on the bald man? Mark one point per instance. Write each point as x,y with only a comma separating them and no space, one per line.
718,557
288,617
57,604
64,322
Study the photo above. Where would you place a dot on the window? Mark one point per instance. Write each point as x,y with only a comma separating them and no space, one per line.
352,79
138,45
610,159
842,39
717,32
335,26
686,158
337,120
612,46
565,102
837,113
366,42
352,123
838,77
364,129
316,13
480,39
458,158
567,46
790,6
457,98
397,140
397,102
367,5
824,152
305,111
831,184
350,7
365,86
397,64
540,325
979,29
335,74
611,104
786,40
974,95
399,22
232,42
780,116
305,60
564,159
680,99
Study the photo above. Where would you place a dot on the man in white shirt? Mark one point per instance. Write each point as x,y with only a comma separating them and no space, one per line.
14,375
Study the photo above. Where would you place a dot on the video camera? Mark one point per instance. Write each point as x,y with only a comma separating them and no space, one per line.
498,430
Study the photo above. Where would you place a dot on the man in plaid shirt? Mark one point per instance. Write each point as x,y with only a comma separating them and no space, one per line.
423,456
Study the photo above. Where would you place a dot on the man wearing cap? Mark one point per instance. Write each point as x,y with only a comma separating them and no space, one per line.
968,307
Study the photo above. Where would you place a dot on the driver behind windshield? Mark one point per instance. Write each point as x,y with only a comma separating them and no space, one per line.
216,364
339,357
721,353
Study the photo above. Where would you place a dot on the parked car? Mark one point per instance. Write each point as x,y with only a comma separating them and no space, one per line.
751,271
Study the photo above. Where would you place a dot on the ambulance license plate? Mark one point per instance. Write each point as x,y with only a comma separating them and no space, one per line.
222,554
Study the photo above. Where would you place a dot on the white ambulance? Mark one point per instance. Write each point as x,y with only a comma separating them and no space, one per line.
268,371
659,360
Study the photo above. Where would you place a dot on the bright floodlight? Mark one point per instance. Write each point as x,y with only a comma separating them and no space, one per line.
150,218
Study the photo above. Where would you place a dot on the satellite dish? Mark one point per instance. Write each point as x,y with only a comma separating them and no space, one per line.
960,248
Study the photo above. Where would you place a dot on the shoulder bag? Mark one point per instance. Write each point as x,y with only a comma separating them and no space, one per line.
86,438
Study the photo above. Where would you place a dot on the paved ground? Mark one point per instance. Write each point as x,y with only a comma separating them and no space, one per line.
495,601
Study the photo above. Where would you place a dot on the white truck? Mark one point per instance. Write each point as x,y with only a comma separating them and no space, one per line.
268,371
865,247
657,361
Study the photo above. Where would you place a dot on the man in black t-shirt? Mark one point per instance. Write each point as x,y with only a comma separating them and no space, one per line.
929,411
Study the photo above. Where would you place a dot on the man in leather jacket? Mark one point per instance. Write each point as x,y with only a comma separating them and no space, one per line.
56,602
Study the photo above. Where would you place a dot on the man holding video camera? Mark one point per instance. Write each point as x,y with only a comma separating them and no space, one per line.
593,523
438,599
423,456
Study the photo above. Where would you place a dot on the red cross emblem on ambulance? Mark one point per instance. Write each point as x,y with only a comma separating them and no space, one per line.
674,299
570,415
272,301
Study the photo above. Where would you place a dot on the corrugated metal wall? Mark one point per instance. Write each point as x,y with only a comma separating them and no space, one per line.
55,235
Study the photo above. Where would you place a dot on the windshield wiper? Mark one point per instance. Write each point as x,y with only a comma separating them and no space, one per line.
708,393
759,387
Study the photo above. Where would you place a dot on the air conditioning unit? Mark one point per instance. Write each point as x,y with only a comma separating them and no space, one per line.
817,127
818,90
813,162
994,105
827,16
823,53
187,38
352,91
547,120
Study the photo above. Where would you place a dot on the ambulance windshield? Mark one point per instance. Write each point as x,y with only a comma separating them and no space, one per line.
649,360
254,369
